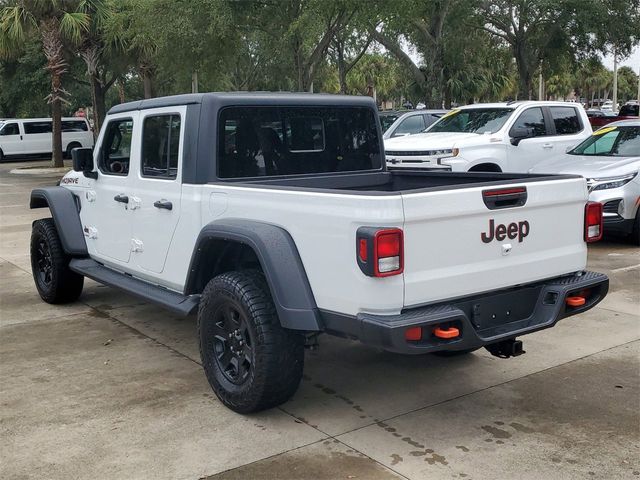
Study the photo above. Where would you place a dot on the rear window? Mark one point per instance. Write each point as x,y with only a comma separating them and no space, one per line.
74,126
387,120
629,111
274,141
37,127
410,125
566,120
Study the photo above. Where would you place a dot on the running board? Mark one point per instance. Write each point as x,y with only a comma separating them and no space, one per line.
176,302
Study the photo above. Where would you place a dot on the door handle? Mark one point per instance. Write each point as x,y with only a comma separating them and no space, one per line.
166,204
547,145
121,198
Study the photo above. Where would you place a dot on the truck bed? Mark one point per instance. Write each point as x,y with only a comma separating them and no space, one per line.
394,182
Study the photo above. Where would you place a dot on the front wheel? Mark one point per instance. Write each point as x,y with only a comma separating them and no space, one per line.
55,281
250,361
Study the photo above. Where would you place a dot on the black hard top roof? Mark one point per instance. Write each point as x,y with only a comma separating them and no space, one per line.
247,98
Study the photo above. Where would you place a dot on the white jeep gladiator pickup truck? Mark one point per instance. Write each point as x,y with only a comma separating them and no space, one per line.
493,137
274,217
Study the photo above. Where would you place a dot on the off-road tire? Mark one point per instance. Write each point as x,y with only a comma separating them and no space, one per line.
55,281
456,353
270,358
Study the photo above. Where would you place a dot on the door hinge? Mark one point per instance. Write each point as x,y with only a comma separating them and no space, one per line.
136,245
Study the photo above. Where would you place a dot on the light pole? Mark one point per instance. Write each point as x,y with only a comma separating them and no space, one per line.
615,81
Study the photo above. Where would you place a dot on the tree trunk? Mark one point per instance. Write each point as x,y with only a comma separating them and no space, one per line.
121,90
147,84
56,66
524,71
342,69
56,145
99,104
147,72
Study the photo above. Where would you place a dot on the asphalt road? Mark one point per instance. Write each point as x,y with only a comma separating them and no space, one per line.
110,387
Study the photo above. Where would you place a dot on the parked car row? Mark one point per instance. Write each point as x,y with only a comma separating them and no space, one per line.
535,137
33,136
493,137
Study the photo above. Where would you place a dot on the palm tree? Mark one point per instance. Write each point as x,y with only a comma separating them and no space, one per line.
97,52
54,21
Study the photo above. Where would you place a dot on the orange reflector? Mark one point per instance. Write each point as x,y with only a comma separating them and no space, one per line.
576,301
413,333
451,332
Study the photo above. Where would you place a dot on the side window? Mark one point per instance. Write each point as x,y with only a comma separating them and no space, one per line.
531,118
116,147
10,129
566,120
37,127
160,144
74,126
410,125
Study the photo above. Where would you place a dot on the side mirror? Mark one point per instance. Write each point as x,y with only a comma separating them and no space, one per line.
518,134
83,161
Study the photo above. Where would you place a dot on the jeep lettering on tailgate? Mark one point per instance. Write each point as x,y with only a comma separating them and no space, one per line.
501,231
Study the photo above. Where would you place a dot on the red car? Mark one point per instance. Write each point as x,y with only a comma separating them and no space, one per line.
627,112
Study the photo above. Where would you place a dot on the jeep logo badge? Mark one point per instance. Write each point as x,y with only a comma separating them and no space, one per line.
499,232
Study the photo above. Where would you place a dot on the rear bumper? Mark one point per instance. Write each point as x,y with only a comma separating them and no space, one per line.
481,320
618,225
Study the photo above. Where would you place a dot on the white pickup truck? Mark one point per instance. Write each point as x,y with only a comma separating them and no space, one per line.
493,137
273,216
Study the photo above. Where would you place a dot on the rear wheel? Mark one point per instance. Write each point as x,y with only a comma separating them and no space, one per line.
250,361
1,155
55,281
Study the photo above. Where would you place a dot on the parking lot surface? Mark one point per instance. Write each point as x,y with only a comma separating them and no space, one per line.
111,387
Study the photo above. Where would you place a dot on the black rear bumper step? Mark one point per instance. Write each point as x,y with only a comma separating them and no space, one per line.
176,302
482,320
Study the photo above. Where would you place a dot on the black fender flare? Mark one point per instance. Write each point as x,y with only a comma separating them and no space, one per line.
65,213
280,262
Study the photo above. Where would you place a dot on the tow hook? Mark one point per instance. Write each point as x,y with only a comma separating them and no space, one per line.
506,348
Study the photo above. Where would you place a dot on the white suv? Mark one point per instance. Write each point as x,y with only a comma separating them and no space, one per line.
493,137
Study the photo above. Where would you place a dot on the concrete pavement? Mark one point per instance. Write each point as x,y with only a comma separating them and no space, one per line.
110,387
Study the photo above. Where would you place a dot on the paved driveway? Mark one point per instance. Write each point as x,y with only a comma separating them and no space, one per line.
110,387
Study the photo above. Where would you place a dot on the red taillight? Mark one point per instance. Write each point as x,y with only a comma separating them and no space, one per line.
388,252
592,222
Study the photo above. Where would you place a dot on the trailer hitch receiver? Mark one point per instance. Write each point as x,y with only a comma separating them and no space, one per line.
506,348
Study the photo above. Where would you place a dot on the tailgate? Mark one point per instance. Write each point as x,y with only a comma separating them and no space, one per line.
451,251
